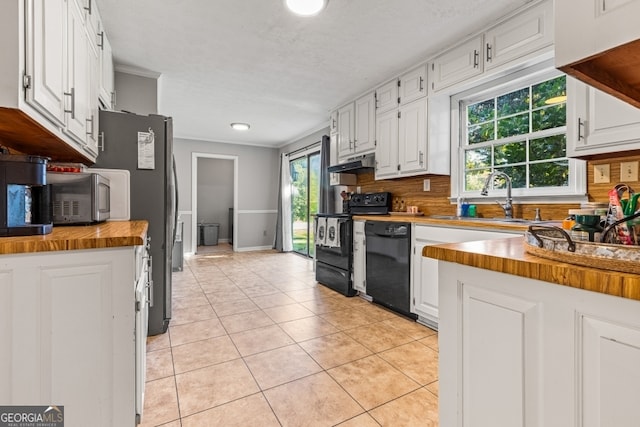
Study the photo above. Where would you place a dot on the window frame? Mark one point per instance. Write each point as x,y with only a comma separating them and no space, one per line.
576,191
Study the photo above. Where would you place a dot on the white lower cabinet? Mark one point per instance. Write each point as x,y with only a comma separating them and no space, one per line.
522,352
359,257
68,331
424,274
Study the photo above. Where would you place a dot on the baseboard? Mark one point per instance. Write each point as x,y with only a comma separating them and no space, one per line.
254,248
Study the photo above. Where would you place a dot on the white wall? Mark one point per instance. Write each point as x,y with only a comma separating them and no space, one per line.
135,93
215,193
258,170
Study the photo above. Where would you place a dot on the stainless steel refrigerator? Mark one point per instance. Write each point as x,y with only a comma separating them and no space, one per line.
144,146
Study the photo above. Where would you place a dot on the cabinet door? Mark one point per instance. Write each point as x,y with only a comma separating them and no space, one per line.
346,131
93,99
609,373
387,97
46,57
523,34
599,123
413,85
412,137
458,64
359,257
107,93
599,25
365,124
424,300
387,144
77,92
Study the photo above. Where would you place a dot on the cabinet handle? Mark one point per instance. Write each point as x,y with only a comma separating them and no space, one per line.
150,271
113,99
72,94
421,158
476,55
580,126
88,8
351,144
421,83
101,42
488,52
90,121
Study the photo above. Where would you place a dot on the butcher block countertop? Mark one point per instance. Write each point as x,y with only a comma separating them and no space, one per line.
508,256
64,238
471,223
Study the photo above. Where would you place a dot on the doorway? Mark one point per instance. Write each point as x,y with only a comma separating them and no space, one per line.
305,191
214,199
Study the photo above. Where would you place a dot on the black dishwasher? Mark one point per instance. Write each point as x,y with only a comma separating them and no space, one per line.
388,264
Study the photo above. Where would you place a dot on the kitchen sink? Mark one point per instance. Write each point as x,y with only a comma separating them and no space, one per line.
495,219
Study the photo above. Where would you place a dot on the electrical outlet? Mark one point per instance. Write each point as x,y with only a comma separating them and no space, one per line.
426,185
602,174
628,171
358,189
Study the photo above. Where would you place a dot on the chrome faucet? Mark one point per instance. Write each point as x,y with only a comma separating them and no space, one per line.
508,206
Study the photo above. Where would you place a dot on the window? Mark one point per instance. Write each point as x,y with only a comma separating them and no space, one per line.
517,126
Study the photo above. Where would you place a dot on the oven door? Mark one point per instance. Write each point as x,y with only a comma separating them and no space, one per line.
340,257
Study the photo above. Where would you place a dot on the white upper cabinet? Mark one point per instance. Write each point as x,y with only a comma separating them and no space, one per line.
105,53
346,130
412,137
333,121
77,88
365,123
45,63
458,64
524,33
598,123
387,97
386,145
598,42
413,85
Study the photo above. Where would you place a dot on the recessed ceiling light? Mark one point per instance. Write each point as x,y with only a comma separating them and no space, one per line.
306,7
240,126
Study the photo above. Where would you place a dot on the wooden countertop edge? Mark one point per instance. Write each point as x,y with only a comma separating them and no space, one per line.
508,256
64,238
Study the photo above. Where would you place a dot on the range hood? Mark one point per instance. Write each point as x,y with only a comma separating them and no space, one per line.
356,164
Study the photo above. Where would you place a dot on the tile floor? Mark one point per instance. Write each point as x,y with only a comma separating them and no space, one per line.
255,341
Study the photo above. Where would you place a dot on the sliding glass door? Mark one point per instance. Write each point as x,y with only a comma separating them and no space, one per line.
305,191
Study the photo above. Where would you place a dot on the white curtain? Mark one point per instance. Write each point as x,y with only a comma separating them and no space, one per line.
285,207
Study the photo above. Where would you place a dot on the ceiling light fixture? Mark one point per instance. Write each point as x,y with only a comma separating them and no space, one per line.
240,126
306,7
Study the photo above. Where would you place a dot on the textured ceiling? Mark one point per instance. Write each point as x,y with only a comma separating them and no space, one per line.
224,61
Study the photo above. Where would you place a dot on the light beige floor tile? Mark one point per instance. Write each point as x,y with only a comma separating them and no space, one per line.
175,423
417,361
246,412
245,321
200,354
275,367
372,381
325,305
159,364
180,316
335,350
308,294
364,420
191,291
409,327
189,302
160,402
231,294
377,312
217,285
158,342
431,341
308,328
419,408
312,401
347,319
434,387
227,308
378,336
285,313
259,289
261,339
195,331
273,300
214,385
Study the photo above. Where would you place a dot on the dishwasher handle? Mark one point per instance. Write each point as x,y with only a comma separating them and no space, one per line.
387,229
